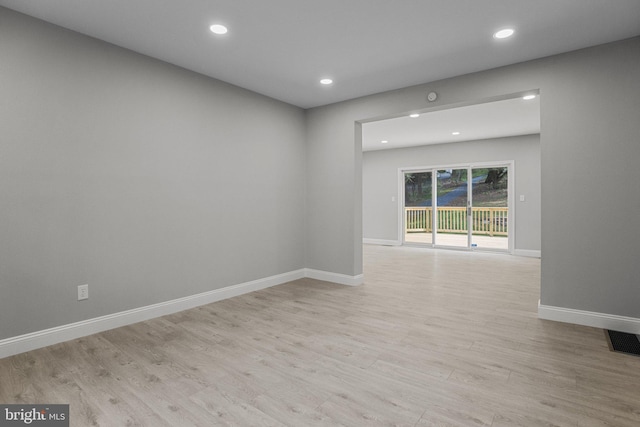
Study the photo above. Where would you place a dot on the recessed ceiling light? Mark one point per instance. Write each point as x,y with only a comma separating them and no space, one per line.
326,81
455,133
384,141
528,97
414,115
218,29
503,34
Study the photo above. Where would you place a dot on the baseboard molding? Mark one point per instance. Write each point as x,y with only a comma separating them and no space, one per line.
528,253
342,279
39,339
32,341
629,325
381,242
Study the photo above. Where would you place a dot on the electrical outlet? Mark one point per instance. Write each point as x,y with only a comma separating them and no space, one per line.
83,292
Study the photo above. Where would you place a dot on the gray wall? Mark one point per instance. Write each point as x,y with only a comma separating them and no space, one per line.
380,182
590,154
151,183
146,181
590,105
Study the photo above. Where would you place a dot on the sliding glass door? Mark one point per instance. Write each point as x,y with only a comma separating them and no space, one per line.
459,207
418,187
490,208
451,208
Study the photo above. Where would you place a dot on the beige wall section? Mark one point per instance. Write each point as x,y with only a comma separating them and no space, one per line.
380,182
144,180
589,161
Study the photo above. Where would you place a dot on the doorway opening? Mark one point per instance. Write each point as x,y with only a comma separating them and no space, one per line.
469,148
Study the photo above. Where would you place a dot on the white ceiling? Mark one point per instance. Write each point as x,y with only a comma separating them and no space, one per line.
281,48
510,117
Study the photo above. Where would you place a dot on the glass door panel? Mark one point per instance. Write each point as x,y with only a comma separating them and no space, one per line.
418,207
451,208
490,210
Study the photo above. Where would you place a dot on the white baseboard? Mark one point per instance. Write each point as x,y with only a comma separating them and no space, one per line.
342,279
528,253
381,242
630,325
39,339
31,341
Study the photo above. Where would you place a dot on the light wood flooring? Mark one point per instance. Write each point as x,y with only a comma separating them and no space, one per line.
432,338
